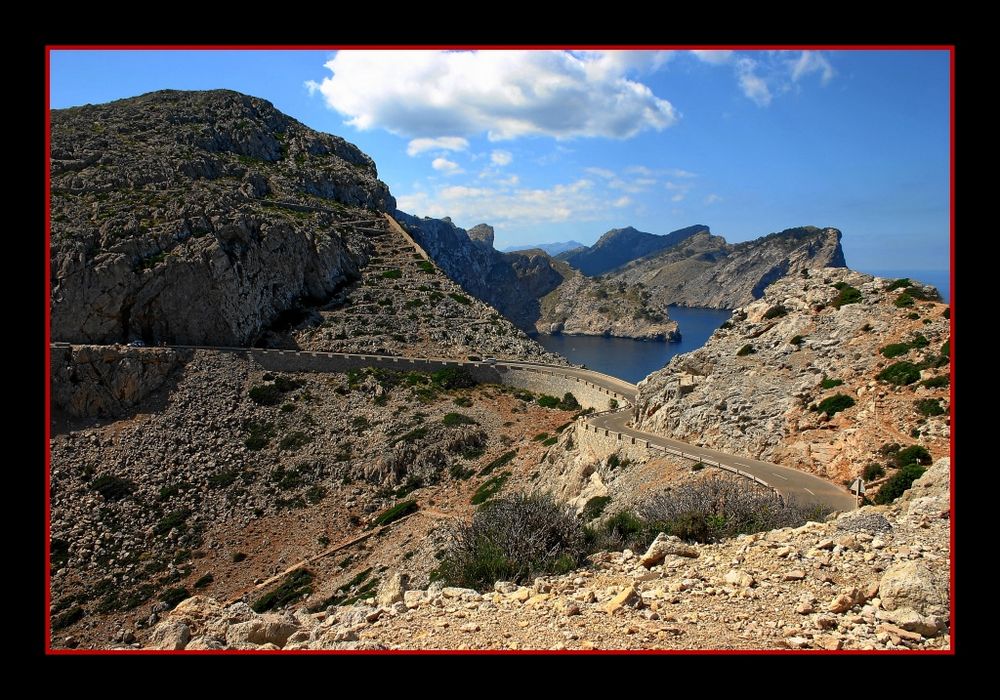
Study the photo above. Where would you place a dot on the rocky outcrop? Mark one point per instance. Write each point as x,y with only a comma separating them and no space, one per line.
759,384
107,381
704,270
198,217
481,234
620,246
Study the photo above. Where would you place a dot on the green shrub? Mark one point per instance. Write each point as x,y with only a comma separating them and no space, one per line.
913,316
834,404
900,374
498,462
260,435
462,401
594,507
797,340
776,311
453,419
830,383
697,466
453,378
929,407
915,454
866,328
296,585
112,488
947,312
946,349
848,295
546,401
265,394
173,596
895,349
899,482
937,382
238,557
612,404
726,325
745,350
294,440
551,441
224,478
873,471
394,513
569,402
315,494
174,519
426,267
460,298
457,471
513,538
489,488
900,284
904,300
393,274
540,437
204,581
919,341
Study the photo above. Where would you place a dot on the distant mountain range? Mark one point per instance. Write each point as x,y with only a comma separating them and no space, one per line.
622,245
550,248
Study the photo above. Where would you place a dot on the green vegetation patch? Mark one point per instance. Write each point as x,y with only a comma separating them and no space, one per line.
797,340
828,383
595,507
901,283
847,295
745,350
937,382
294,440
204,581
173,596
489,488
873,471
426,267
498,462
112,488
546,401
453,378
895,349
460,298
900,374
835,404
399,510
296,585
929,407
899,482
174,519
392,274
260,435
454,419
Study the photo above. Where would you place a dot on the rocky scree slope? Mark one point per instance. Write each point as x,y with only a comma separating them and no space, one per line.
796,378
227,475
872,579
170,217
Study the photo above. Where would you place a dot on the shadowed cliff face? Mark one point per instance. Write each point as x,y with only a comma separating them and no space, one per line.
620,246
198,217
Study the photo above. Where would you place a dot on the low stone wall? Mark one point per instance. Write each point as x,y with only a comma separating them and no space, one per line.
602,442
548,382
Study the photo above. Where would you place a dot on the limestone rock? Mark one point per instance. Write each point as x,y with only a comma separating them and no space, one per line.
392,589
664,545
911,584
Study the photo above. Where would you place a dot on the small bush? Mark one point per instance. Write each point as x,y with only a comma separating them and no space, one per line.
514,538
453,419
238,557
224,478
393,274
550,442
453,378
546,401
848,295
915,454
260,435
899,482
462,401
776,311
426,267
489,488
111,487
900,284
913,316
947,312
173,596
296,585
726,325
830,383
174,519
457,471
697,466
498,462
460,298
399,510
797,340
294,440
929,407
540,437
204,581
569,402
594,507
903,301
873,471
937,382
315,494
612,404
265,394
900,374
895,349
835,404
745,350
866,328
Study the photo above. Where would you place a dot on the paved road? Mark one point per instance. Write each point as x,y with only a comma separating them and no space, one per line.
792,483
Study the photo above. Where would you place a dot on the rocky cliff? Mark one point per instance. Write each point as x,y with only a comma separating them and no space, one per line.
704,270
620,246
198,217
823,371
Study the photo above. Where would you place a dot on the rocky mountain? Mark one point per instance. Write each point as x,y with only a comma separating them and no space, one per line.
549,248
622,245
212,218
535,291
826,372
705,270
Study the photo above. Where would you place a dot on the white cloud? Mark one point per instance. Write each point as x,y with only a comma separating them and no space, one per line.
715,57
600,172
753,86
679,197
678,172
445,166
442,143
621,202
501,158
639,170
507,94
812,62
680,191
504,206
712,198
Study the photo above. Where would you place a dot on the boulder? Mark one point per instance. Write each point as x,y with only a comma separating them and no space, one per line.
662,546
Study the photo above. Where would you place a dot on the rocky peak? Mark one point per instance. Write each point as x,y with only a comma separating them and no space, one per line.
481,233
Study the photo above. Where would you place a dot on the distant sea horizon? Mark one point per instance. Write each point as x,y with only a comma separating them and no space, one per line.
939,278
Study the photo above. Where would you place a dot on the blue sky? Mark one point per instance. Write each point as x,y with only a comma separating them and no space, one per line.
555,145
